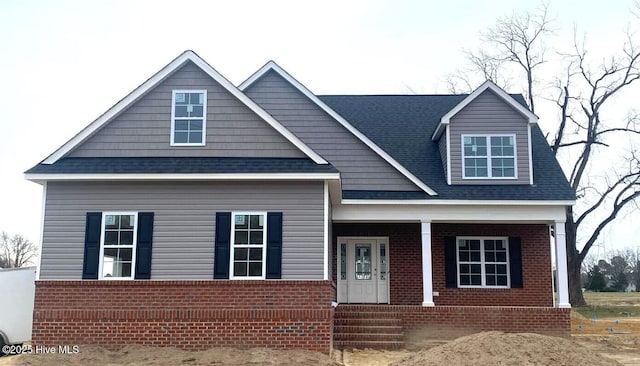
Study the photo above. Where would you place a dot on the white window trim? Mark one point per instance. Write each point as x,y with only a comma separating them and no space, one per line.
489,156
102,246
173,117
232,246
482,261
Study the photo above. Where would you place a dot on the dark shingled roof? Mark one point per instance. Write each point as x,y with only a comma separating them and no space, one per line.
402,125
181,165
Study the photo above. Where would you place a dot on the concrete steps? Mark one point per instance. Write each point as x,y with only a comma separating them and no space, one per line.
363,327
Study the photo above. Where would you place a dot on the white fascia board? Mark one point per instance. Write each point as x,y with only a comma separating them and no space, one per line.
531,117
449,213
182,177
44,207
155,80
271,65
325,225
437,202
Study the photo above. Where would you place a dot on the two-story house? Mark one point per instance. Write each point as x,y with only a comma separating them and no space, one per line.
195,213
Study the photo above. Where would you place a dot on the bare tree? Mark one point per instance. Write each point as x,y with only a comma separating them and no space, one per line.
584,94
516,39
16,251
601,199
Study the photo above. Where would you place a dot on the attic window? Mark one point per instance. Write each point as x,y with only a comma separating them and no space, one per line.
188,117
488,156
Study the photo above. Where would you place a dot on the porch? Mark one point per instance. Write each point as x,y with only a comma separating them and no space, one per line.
394,278
389,326
420,264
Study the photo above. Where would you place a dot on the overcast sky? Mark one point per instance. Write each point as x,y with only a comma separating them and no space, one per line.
66,62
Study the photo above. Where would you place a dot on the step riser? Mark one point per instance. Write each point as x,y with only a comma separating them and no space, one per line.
372,315
367,322
369,337
367,328
372,345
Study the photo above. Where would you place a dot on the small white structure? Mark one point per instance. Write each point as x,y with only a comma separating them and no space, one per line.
630,288
17,289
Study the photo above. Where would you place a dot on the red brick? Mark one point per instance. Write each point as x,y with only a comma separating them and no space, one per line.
192,315
405,263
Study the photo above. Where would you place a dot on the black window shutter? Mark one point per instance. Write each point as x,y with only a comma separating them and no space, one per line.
222,245
450,262
515,262
92,233
274,245
143,246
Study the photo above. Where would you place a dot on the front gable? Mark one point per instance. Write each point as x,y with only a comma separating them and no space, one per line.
140,124
144,128
489,115
361,167
487,122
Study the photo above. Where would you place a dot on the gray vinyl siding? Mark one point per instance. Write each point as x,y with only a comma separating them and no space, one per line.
360,167
489,114
144,129
184,223
442,146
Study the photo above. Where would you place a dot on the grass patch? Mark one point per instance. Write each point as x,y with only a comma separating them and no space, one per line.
610,304
612,298
607,311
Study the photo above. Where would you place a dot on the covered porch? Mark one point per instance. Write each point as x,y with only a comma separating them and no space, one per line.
471,255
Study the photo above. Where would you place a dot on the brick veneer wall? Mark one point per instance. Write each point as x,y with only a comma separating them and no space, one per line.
467,319
405,263
192,315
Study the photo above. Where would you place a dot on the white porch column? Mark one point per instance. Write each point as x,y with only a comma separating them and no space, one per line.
427,274
562,283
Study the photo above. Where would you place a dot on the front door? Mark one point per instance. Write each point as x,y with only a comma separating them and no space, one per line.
363,277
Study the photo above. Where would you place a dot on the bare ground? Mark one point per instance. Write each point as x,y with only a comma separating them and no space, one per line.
167,356
594,343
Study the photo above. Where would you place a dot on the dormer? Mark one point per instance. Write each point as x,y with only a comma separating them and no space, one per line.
486,139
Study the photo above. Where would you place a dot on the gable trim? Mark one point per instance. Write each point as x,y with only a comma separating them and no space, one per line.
154,81
445,120
271,65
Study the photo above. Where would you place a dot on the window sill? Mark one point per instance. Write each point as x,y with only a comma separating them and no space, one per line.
176,144
490,178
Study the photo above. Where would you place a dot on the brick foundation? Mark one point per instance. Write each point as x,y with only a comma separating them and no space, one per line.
541,320
191,315
405,263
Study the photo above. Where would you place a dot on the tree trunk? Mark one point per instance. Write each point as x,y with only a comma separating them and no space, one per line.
574,262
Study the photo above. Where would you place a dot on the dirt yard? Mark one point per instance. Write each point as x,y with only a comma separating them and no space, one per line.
595,341
495,348
152,356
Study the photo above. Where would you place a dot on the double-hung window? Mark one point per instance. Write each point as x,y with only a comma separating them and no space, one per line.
248,245
483,262
488,156
118,245
188,117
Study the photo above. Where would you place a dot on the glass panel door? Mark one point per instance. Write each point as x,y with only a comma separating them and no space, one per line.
363,261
